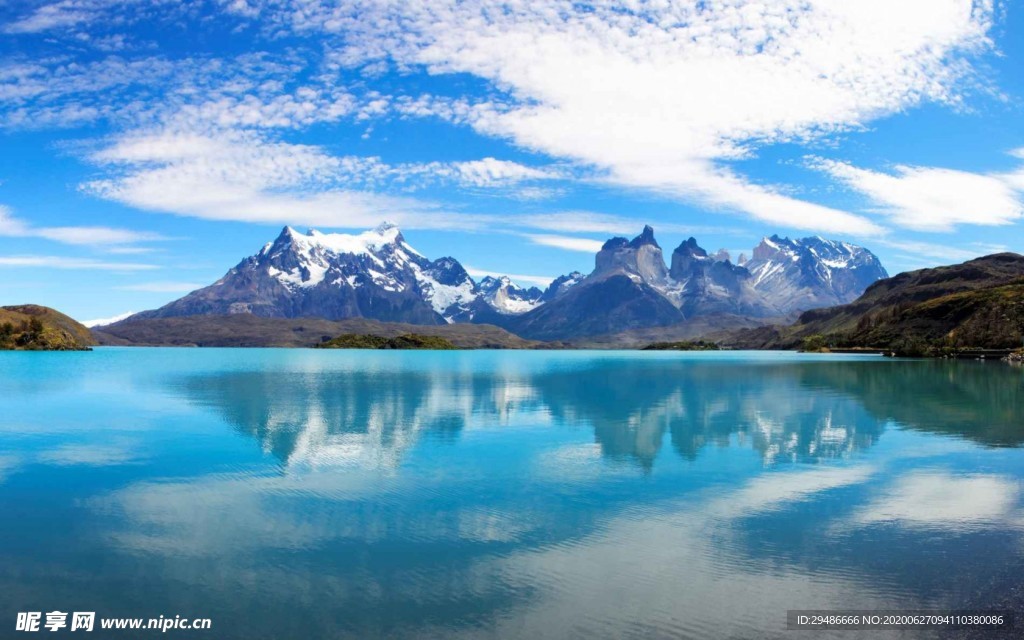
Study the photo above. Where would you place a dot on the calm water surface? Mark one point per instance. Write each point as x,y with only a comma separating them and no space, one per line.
336,494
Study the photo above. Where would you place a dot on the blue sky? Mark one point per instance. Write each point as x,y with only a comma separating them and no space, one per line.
149,145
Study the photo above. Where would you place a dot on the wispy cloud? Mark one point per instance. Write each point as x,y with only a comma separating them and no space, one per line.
107,237
611,225
490,172
540,281
935,251
245,177
933,198
249,176
163,287
63,262
568,243
95,235
53,16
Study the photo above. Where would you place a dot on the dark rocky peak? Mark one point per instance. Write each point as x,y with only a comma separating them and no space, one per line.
560,285
689,247
641,256
447,271
646,237
613,254
284,239
282,254
688,260
612,244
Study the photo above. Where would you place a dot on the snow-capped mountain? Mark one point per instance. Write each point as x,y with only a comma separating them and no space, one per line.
560,285
631,287
375,274
808,273
505,297
378,275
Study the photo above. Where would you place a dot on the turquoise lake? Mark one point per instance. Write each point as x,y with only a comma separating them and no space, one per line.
488,494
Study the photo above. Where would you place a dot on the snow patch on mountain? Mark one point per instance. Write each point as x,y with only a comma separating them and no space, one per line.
506,297
102,322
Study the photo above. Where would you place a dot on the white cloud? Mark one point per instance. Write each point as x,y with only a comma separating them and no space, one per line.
245,177
129,250
9,225
569,243
52,16
489,172
941,252
95,235
70,17
662,96
540,281
932,198
248,176
659,96
608,224
163,287
62,262
90,236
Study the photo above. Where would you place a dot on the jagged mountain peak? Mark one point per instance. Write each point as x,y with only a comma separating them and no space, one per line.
640,258
372,241
689,247
490,282
562,284
508,298
811,272
646,237
617,242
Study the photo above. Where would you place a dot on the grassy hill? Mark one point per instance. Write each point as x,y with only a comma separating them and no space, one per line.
244,330
32,327
975,305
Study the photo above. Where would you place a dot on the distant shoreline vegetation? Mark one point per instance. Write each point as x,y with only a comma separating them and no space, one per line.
407,341
684,345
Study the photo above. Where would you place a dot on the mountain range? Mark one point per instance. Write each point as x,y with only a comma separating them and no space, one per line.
377,275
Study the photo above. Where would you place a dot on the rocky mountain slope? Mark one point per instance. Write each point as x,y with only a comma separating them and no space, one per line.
810,273
976,304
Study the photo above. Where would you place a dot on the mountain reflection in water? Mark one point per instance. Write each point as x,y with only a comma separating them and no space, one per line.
792,411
